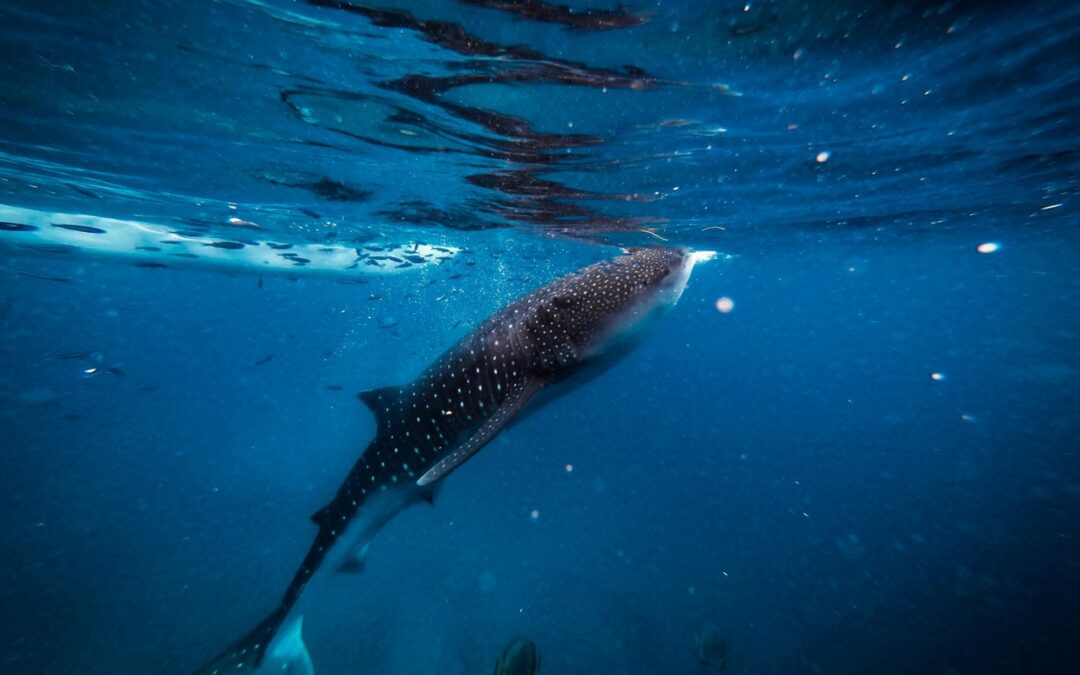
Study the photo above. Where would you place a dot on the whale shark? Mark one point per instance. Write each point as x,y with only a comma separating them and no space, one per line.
516,360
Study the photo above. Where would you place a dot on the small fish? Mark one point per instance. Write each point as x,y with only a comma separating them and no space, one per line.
231,245
85,193
240,222
151,265
71,356
265,359
334,387
59,249
310,213
32,275
87,229
113,370
16,227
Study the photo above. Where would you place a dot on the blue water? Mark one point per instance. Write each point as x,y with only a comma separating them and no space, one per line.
868,465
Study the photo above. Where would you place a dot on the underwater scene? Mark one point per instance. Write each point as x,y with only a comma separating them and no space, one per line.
377,337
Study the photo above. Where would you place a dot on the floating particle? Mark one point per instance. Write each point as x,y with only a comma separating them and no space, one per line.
798,54
569,468
988,247
725,305
937,377
534,515
1050,207
822,157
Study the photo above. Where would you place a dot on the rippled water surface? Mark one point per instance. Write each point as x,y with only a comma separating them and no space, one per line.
852,448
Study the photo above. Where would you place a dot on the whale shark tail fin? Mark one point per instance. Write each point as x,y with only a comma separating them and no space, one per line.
247,655
288,655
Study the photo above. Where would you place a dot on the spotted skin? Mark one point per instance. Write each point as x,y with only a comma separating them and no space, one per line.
428,427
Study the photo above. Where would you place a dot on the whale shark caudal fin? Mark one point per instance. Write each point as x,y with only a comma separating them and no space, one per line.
515,400
288,654
266,649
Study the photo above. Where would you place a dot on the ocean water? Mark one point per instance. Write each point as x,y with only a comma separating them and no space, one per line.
851,448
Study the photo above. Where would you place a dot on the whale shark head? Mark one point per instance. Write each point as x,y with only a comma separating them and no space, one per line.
612,303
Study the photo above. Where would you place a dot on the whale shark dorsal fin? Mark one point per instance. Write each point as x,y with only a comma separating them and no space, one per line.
379,401
515,399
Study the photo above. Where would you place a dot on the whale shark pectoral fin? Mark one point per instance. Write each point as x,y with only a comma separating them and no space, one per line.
428,494
514,401
356,561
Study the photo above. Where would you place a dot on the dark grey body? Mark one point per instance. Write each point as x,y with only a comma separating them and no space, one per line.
430,426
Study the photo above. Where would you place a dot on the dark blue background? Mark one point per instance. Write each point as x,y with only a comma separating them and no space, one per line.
788,471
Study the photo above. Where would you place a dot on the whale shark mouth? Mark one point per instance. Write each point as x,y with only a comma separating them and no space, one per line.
154,245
